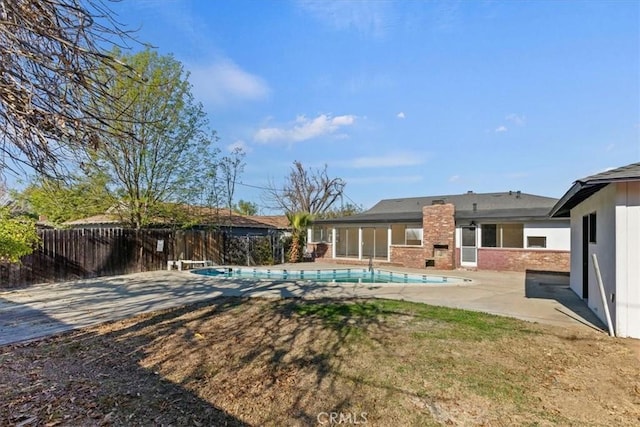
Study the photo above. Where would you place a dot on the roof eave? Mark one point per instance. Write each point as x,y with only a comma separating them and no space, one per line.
610,180
578,192
501,219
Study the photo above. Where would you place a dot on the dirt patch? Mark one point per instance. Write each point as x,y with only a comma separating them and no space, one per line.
259,362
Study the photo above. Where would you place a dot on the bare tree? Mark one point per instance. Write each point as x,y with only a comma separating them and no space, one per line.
230,167
306,190
4,194
49,52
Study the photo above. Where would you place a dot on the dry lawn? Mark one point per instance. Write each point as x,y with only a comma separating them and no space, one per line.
236,361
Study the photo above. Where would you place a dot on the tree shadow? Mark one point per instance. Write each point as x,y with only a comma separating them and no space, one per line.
53,308
87,377
277,358
20,322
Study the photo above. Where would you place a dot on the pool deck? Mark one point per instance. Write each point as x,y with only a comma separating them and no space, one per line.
47,309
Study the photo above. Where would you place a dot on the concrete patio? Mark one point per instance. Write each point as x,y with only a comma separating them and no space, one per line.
48,309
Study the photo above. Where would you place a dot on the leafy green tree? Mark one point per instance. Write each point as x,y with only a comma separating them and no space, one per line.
61,201
345,210
247,208
299,223
18,236
165,152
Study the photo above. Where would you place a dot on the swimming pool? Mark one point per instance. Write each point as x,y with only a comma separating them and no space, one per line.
335,275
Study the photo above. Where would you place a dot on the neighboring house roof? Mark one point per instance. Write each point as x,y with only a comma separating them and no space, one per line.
202,215
511,205
586,187
254,221
275,221
102,219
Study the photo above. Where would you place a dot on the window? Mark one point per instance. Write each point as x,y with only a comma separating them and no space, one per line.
406,234
489,235
536,242
512,235
592,227
469,236
347,242
413,236
502,235
321,234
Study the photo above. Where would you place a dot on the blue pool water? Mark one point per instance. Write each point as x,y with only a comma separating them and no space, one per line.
338,275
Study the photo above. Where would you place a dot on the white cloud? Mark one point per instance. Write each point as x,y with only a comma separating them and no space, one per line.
224,82
366,17
454,178
343,120
516,119
304,128
400,115
239,144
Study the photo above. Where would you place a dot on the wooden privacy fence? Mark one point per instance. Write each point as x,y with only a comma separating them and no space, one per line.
85,253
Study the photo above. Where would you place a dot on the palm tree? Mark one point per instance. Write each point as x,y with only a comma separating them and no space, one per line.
299,223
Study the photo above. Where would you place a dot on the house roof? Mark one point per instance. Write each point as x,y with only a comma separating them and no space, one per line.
102,219
276,221
254,221
511,205
584,188
200,215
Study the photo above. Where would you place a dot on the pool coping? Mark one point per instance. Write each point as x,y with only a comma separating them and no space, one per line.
459,280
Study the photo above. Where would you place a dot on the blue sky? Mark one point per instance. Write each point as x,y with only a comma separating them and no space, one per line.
411,98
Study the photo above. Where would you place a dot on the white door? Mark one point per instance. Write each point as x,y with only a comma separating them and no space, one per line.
469,247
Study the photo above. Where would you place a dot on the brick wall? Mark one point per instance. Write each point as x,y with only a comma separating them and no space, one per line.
408,256
320,250
508,259
438,228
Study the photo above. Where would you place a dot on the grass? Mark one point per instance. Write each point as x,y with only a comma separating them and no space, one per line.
439,327
264,362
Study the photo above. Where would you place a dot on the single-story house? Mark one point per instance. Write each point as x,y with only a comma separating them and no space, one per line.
604,210
491,231
231,222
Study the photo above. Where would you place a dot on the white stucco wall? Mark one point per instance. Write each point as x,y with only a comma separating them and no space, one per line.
603,203
558,233
627,213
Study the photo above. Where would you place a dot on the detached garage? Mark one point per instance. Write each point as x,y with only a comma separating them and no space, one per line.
604,210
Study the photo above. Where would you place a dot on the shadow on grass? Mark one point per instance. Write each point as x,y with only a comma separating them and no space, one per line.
236,361
267,359
88,378
288,360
